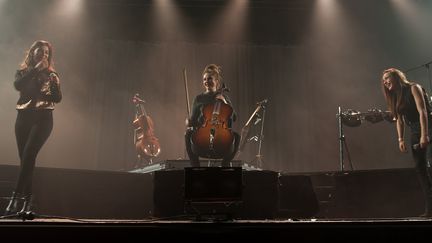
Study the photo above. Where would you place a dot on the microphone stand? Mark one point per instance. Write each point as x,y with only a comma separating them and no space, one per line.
245,130
429,76
259,156
427,66
342,143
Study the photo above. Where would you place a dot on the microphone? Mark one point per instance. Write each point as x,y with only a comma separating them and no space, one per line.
53,78
417,145
262,102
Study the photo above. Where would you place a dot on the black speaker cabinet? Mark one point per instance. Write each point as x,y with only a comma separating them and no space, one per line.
260,194
213,184
168,193
297,197
214,192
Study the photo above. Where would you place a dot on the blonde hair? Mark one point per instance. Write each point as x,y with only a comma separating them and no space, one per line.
213,70
395,97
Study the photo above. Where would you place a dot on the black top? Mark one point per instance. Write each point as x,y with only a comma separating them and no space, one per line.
409,110
200,102
37,89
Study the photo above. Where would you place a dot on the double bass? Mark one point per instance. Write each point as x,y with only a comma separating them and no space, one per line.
214,138
146,143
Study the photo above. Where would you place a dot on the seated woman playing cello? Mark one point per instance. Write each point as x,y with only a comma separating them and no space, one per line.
209,133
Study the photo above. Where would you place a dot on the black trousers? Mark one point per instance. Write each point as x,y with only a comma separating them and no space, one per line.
422,159
32,129
194,158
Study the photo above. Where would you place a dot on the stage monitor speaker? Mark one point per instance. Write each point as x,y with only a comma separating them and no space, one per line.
213,184
214,192
297,197
260,194
168,193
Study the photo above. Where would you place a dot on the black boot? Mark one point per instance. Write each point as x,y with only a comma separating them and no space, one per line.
14,203
26,212
28,203
428,207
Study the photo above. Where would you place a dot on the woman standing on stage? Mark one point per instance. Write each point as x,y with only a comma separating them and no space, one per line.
409,104
39,88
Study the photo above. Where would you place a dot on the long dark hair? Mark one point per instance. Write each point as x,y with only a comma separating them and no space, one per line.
28,59
395,98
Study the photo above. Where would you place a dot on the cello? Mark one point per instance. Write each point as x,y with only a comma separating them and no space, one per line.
214,138
146,143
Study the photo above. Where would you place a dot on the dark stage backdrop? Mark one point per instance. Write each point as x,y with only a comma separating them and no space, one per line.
325,62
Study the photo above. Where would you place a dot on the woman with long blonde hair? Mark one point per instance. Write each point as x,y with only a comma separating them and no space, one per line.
409,104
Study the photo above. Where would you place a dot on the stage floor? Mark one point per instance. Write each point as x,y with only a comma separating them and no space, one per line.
353,207
206,220
352,230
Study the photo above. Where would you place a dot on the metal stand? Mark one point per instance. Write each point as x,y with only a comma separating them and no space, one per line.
427,66
342,143
246,128
258,158
143,161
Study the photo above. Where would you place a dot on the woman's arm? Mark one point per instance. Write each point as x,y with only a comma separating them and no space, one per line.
400,127
55,88
193,119
421,108
22,78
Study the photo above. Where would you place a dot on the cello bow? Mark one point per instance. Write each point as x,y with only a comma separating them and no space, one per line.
187,92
